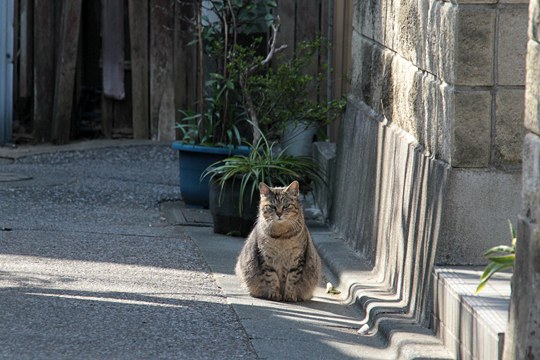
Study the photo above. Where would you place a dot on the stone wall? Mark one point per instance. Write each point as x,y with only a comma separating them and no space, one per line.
451,76
449,73
523,340
429,155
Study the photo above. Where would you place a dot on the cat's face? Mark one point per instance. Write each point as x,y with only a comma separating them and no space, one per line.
280,204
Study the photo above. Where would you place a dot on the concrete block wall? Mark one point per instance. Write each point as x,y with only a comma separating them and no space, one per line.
522,339
389,211
435,85
451,74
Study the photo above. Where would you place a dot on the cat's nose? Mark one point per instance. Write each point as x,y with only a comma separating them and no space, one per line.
279,213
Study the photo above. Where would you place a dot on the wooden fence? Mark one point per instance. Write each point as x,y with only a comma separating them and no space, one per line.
123,68
6,70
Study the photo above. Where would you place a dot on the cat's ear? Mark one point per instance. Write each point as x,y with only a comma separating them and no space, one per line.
293,188
264,189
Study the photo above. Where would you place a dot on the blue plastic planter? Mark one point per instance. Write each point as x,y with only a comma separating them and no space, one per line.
193,160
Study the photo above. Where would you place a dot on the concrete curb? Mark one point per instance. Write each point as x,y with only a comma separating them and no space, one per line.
353,276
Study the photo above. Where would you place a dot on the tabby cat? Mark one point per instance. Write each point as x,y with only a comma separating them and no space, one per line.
279,260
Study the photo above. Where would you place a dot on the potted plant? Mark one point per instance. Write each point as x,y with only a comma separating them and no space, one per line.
207,137
234,184
215,128
284,99
299,132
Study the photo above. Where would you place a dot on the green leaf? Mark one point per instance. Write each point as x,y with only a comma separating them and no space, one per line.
489,271
506,259
512,230
500,249
480,287
333,291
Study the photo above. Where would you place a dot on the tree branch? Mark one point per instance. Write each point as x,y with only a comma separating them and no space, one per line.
271,52
250,71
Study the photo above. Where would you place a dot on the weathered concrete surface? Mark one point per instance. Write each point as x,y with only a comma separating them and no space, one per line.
478,201
509,132
472,129
532,93
390,211
471,326
440,71
324,326
512,52
475,41
324,154
524,325
434,113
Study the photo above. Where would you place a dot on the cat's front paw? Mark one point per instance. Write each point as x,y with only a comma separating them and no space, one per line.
292,298
275,296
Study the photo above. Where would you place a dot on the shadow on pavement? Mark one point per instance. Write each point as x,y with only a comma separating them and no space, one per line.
61,324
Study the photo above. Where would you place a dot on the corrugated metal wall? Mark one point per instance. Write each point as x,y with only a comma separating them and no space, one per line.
6,70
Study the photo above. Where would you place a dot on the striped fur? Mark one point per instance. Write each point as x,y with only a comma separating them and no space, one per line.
279,261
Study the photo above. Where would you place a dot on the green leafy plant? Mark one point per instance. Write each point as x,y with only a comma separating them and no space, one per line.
218,28
501,257
288,90
262,165
212,127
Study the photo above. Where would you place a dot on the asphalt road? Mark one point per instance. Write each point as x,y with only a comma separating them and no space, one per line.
90,270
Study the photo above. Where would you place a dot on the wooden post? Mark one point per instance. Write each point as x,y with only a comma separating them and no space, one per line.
181,57
138,31
162,109
346,54
107,116
185,58
113,42
7,56
113,49
287,26
306,28
342,54
25,69
307,20
65,70
44,69
16,51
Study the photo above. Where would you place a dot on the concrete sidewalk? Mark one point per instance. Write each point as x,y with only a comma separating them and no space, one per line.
325,327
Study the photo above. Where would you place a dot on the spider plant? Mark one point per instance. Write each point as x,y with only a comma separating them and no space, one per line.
262,165
501,257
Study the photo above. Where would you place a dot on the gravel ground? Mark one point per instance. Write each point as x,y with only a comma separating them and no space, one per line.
89,269
93,184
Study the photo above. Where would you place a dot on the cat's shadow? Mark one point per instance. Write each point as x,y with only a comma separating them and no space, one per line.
325,321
